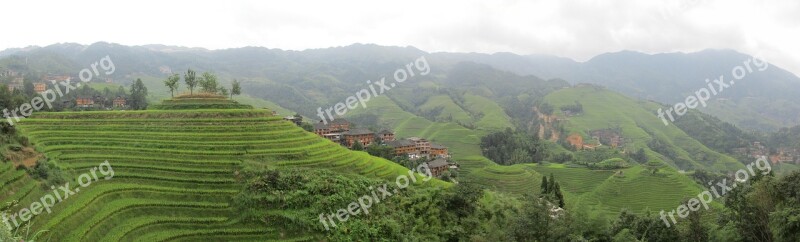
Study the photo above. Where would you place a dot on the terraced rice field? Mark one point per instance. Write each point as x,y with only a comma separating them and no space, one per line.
175,171
510,179
607,194
14,184
639,191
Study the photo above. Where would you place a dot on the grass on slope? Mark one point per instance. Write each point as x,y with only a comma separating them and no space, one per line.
605,109
463,143
493,117
450,110
636,189
175,171
581,186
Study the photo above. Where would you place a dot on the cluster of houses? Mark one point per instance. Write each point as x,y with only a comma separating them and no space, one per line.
782,154
416,148
17,83
340,131
609,137
89,102
16,79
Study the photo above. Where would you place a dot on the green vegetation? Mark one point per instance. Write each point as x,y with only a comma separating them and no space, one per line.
603,109
552,191
714,133
236,88
508,148
190,80
206,101
296,198
138,100
205,167
164,159
173,82
442,108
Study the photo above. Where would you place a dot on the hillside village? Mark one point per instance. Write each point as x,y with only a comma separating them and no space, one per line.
613,138
413,148
778,155
82,98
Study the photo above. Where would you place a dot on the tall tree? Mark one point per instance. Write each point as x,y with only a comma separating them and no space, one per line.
172,82
121,92
236,89
697,230
190,80
544,185
559,196
208,82
28,86
223,91
534,222
138,95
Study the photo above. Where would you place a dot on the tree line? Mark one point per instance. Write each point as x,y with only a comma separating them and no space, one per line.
207,82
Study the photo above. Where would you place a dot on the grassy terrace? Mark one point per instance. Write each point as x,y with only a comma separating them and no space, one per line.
175,171
606,194
14,184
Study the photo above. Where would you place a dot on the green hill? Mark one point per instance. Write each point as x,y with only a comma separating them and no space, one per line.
463,143
175,172
598,191
448,110
601,191
636,189
604,109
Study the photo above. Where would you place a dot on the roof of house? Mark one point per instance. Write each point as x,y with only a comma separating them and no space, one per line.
437,163
358,132
340,121
437,146
320,125
385,132
400,143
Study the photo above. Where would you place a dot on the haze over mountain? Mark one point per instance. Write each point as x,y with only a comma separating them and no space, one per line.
349,120
762,101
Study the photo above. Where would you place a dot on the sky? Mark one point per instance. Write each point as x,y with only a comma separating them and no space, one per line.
577,29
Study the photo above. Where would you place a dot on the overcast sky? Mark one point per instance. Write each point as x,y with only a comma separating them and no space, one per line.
574,29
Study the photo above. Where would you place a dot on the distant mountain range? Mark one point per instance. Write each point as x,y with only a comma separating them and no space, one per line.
764,100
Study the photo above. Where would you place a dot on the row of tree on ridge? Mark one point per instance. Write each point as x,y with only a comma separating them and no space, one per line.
207,82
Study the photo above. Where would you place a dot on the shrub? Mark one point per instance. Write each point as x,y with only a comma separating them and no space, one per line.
610,164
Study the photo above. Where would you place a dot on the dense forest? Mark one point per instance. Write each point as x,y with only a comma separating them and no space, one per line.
510,147
764,209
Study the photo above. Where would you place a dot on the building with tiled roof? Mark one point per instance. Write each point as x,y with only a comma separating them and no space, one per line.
386,135
437,166
438,150
363,136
